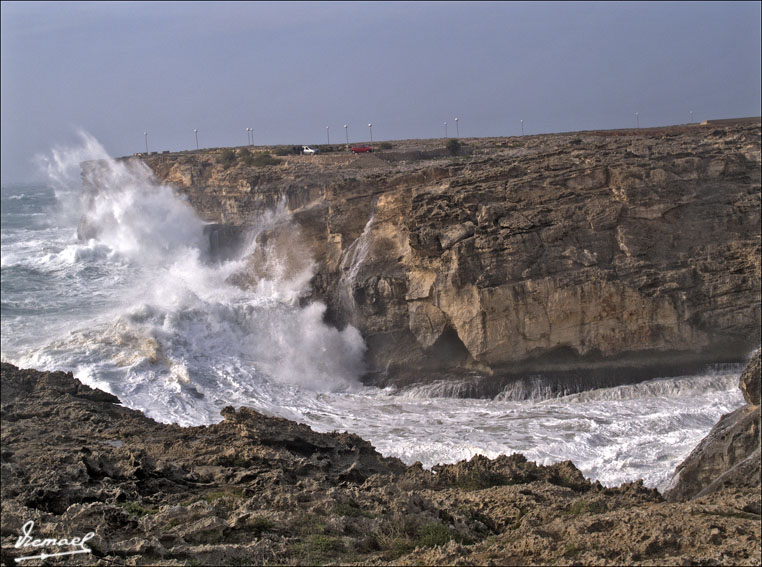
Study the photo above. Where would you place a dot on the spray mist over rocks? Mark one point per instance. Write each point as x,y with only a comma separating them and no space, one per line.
179,340
138,305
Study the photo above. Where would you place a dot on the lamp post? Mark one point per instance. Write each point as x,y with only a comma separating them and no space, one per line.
522,127
457,130
146,136
370,127
445,129
248,137
195,131
691,112
346,133
328,135
637,120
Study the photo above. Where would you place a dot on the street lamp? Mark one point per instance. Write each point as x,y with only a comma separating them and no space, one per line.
195,131
328,135
248,137
691,116
457,130
346,133
445,129
522,127
146,135
370,127
637,120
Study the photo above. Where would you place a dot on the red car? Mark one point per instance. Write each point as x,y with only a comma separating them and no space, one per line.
361,149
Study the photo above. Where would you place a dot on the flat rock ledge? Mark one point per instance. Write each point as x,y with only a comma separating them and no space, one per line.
255,490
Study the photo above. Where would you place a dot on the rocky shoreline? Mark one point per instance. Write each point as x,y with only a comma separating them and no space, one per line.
261,490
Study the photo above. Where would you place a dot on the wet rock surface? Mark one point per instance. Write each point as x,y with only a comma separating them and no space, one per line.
751,380
260,490
626,252
730,453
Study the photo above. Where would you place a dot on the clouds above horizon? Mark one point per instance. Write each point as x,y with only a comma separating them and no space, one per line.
290,69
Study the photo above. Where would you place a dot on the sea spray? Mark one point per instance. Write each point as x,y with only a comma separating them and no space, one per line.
142,310
180,340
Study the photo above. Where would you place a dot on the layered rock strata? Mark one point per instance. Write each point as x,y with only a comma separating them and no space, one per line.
590,257
255,490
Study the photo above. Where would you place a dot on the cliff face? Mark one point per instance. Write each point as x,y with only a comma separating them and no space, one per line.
633,250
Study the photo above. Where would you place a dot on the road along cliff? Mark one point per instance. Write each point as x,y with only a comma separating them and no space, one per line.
588,258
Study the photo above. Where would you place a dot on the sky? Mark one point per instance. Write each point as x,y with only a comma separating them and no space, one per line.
289,70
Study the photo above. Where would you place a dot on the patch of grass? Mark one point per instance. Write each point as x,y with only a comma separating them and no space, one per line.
433,534
136,509
262,159
396,537
351,509
308,524
230,493
480,479
572,550
586,507
317,549
385,146
260,525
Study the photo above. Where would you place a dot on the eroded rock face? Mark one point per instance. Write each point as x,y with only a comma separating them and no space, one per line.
254,489
626,250
751,379
729,455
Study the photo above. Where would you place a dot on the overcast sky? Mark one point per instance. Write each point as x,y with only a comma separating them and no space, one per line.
288,70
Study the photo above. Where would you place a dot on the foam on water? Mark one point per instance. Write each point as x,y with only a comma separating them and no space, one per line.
143,312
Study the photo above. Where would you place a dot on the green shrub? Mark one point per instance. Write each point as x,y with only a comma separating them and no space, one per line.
433,534
385,146
245,156
586,507
453,146
259,525
262,159
226,158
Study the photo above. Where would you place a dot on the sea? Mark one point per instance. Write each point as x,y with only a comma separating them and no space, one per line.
141,309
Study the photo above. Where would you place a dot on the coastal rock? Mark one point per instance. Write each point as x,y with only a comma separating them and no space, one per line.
631,252
728,455
751,380
254,489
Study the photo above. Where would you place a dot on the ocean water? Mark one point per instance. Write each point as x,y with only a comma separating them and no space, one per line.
143,311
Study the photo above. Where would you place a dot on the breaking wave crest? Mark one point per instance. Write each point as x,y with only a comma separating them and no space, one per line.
178,339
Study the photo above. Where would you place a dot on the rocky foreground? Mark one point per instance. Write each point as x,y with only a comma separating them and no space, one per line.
261,490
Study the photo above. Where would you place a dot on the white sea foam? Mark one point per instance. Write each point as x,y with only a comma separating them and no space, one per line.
141,312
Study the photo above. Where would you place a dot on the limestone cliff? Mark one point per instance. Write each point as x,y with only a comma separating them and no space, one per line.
619,253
